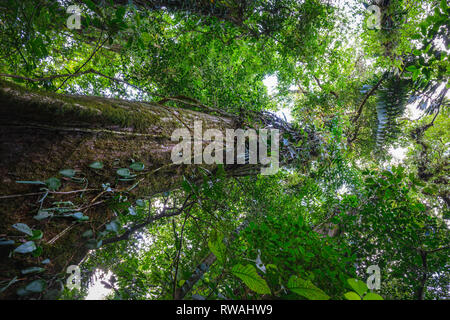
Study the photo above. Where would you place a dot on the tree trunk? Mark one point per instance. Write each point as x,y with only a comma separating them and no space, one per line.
42,133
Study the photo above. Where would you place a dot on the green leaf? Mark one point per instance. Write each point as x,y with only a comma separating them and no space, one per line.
69,173
146,37
22,227
31,182
357,285
94,244
91,5
6,242
22,292
251,278
372,296
37,252
186,185
32,270
137,166
411,68
43,215
96,165
27,247
140,203
87,234
37,235
215,244
271,266
36,286
113,226
120,12
352,296
124,172
306,288
53,183
79,216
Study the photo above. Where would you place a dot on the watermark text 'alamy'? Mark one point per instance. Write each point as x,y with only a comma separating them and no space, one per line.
251,147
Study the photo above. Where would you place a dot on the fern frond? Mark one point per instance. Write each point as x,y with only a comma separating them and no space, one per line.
392,99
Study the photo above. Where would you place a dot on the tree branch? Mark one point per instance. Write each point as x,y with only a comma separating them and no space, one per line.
367,96
164,214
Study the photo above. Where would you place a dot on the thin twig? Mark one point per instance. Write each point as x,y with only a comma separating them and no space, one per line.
98,46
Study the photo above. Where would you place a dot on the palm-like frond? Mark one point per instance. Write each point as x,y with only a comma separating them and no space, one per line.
392,99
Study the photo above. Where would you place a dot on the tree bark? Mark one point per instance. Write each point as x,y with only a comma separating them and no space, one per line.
43,133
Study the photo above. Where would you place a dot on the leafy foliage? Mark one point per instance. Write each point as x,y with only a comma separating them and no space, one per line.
251,278
309,231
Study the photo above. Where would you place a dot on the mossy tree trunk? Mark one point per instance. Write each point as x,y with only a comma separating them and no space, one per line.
42,133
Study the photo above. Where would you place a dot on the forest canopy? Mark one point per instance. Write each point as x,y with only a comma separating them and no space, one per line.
91,92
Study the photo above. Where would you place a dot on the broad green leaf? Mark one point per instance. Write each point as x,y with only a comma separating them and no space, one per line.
357,285
69,173
124,172
53,183
36,286
251,278
94,244
79,216
137,166
22,227
37,234
96,165
306,288
32,270
88,234
372,296
43,215
22,292
6,242
352,296
215,244
27,247
113,226
37,252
